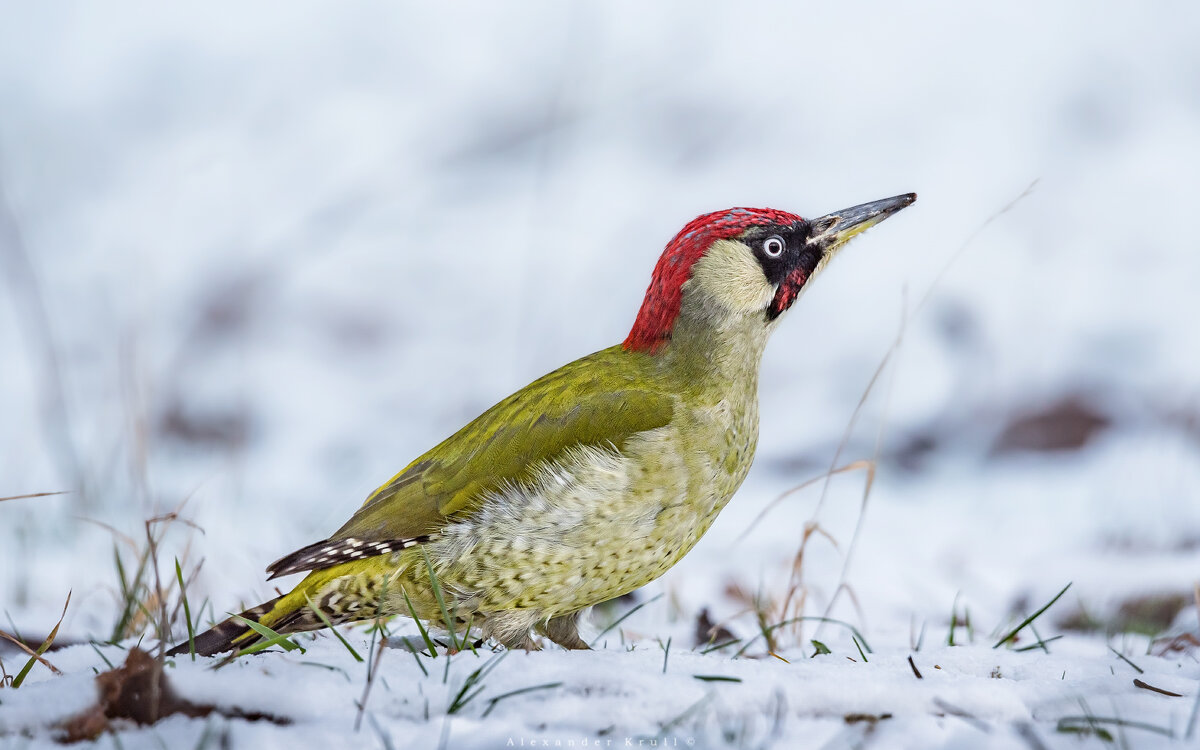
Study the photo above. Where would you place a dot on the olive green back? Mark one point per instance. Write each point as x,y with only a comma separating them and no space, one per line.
599,400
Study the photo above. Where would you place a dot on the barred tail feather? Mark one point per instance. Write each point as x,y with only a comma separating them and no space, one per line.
225,636
290,613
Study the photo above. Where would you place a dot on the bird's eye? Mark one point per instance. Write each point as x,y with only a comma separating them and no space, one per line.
773,246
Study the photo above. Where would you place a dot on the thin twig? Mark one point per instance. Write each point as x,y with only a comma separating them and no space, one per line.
371,673
852,466
916,671
35,494
1148,686
873,463
845,439
21,645
1123,658
25,286
1191,725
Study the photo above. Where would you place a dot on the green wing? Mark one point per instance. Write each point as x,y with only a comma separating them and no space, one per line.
601,399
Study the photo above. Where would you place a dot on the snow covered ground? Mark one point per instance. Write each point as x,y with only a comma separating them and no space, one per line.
966,697
254,259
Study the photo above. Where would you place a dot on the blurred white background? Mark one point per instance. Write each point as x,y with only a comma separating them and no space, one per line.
259,257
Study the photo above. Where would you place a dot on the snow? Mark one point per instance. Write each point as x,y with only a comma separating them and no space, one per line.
257,258
966,696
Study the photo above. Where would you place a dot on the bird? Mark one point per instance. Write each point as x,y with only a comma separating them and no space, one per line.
591,481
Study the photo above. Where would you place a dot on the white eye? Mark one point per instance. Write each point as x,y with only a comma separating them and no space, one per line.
773,246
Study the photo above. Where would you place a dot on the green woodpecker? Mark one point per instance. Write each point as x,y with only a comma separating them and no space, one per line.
591,481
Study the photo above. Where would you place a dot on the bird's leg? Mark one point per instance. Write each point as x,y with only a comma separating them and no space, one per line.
524,641
529,643
513,628
564,630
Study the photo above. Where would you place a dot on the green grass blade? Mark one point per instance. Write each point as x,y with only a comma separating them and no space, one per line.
101,654
475,678
20,678
325,619
272,638
417,657
467,636
187,610
437,594
719,646
126,597
1093,723
1125,659
1040,644
280,640
624,617
521,691
860,650
424,633
853,631
1013,633
329,667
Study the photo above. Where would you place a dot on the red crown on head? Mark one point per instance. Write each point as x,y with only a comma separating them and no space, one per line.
656,318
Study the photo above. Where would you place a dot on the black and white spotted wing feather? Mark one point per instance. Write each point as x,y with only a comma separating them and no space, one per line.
332,552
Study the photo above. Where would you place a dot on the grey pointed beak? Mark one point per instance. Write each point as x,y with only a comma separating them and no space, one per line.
835,229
